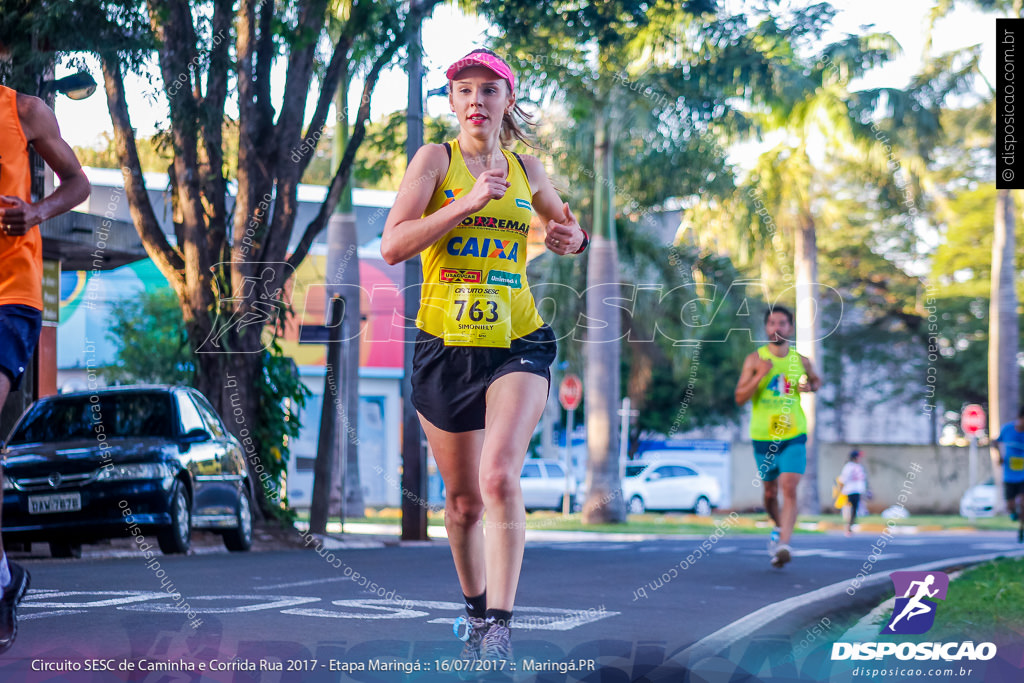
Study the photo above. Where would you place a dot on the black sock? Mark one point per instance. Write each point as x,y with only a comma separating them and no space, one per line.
476,607
499,617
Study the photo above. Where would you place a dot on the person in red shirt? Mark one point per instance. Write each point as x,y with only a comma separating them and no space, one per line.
25,121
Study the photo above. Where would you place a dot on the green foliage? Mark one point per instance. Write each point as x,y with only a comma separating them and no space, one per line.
282,396
381,161
154,157
962,207
152,346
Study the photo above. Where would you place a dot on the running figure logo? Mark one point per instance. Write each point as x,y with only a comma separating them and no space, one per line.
914,612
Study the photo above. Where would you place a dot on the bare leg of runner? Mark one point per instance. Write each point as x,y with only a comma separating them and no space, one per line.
771,500
458,460
788,482
515,403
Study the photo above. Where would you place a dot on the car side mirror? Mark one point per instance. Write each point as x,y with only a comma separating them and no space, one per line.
197,435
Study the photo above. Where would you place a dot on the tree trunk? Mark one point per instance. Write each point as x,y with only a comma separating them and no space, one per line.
354,505
343,269
806,271
604,502
1003,371
227,380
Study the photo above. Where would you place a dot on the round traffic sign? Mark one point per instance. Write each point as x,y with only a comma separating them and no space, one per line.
570,392
972,419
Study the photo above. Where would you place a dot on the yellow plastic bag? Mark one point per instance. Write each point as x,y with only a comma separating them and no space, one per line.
840,498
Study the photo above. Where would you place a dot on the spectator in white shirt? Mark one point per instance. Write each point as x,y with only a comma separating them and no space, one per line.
855,484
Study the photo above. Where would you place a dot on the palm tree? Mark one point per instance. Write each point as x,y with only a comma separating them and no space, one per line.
674,65
809,105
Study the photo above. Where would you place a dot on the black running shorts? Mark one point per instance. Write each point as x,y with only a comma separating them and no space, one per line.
449,383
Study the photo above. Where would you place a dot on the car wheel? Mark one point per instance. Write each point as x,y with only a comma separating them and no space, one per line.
177,538
63,549
239,539
636,506
702,507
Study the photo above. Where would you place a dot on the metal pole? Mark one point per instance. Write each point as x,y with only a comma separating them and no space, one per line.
566,508
414,461
972,464
624,436
324,463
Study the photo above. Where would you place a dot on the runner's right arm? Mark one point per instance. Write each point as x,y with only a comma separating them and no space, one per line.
754,370
407,231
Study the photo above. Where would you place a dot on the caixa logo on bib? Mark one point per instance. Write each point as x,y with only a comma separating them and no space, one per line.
913,614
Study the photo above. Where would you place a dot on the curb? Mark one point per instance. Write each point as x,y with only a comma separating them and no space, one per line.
790,614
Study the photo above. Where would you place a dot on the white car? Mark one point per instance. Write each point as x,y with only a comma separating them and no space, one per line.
543,484
981,499
663,484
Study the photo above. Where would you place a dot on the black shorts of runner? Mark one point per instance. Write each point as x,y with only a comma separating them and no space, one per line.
19,334
1012,489
449,383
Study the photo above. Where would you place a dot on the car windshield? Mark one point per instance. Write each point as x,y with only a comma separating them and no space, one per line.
78,417
633,470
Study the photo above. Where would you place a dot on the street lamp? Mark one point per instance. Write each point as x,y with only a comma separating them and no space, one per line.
77,86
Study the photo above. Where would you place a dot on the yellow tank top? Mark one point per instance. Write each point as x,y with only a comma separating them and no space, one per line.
475,291
21,258
777,414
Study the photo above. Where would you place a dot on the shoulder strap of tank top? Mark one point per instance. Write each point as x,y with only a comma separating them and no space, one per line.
522,166
448,149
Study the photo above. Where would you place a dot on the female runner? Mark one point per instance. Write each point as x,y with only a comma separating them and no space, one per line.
480,371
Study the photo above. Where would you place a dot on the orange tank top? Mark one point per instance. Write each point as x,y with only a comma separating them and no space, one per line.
21,258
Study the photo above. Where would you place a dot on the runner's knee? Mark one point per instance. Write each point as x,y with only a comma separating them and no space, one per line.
463,510
499,485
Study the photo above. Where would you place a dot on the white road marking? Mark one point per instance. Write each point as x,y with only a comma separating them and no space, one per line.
125,597
379,609
303,583
529,618
55,613
860,555
276,602
996,546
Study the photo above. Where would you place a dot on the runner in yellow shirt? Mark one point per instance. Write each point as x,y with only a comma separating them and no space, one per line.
480,371
773,377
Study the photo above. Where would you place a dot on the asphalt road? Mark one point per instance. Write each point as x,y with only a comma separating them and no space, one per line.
615,606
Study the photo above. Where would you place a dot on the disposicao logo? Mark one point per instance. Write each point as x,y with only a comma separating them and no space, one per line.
524,204
913,614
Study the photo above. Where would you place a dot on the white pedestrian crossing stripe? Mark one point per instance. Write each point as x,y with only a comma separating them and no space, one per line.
59,603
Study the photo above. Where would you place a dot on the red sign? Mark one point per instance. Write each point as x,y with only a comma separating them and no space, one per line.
972,419
570,392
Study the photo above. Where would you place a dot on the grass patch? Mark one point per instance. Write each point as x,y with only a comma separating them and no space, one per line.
680,523
941,521
985,603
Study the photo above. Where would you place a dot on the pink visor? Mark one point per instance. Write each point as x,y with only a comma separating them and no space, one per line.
495,64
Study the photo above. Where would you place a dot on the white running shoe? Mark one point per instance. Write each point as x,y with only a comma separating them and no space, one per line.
773,540
781,556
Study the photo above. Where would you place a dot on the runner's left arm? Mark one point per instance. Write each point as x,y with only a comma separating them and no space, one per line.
42,132
564,234
813,382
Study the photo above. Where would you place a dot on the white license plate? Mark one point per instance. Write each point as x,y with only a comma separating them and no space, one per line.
58,502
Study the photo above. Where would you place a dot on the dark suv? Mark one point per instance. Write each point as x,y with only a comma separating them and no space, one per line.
140,460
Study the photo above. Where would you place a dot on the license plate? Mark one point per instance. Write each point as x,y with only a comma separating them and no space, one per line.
58,502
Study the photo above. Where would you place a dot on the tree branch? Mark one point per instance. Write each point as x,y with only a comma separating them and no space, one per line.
168,260
214,185
332,78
